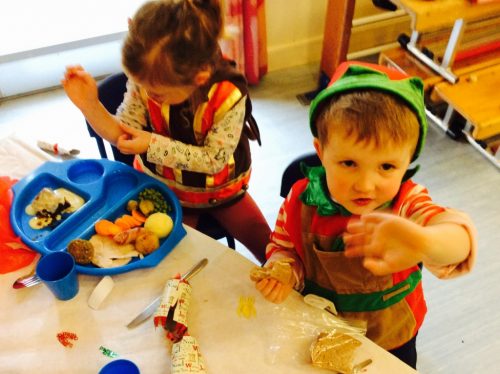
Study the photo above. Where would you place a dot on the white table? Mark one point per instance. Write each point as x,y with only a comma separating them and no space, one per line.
31,318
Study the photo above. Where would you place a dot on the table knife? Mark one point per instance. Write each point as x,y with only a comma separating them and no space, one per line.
151,308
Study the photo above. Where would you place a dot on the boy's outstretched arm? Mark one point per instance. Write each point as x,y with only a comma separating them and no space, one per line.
81,89
390,243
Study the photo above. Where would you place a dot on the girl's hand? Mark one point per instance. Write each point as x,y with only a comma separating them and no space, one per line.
387,242
274,290
133,141
80,87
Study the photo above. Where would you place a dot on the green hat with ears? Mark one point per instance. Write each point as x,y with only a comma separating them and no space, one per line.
353,76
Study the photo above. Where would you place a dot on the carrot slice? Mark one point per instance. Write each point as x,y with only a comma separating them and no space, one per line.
131,220
106,228
138,216
122,223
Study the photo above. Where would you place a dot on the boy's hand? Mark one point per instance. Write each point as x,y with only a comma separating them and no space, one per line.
80,87
274,290
387,242
133,141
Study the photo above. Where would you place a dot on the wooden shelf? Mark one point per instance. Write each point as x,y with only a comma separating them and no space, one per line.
476,97
405,62
435,15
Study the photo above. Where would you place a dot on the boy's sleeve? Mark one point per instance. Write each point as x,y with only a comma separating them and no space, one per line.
451,271
419,207
282,244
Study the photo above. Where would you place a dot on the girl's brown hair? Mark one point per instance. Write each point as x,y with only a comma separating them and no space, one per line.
170,41
370,116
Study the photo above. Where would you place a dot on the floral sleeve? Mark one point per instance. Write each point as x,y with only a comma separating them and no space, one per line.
132,111
212,155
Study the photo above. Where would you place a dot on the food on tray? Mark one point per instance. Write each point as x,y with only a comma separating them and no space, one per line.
49,206
106,228
138,216
109,254
280,270
159,223
132,205
127,221
146,207
123,223
82,250
130,235
334,351
147,242
154,196
48,201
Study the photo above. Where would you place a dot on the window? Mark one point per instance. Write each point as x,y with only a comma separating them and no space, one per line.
39,38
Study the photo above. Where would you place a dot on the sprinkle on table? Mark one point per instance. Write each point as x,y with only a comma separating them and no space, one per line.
246,307
66,337
108,352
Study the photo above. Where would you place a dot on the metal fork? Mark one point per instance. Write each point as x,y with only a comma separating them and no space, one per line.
26,281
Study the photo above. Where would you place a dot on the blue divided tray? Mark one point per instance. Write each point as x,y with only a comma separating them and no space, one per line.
106,186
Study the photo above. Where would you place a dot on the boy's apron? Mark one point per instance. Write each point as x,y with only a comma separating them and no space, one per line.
356,292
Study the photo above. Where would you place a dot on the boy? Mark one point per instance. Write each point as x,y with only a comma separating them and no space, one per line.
357,228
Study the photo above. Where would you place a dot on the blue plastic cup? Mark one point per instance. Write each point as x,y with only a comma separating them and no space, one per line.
120,367
57,270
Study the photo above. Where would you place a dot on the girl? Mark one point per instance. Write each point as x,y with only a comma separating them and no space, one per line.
186,115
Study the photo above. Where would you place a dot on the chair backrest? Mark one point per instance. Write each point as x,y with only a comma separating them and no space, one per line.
111,91
293,173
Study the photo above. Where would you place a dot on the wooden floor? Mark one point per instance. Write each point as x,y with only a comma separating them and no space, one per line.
462,329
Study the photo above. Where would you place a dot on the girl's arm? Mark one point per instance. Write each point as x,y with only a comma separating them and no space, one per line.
81,88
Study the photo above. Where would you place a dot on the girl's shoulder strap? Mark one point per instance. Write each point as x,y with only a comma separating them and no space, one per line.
226,70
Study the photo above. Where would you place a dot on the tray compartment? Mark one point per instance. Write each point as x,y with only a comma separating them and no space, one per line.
85,172
26,196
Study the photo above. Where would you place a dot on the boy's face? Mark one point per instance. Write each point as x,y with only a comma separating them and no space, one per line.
360,176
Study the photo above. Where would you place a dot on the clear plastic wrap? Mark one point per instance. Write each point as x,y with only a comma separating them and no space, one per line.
298,334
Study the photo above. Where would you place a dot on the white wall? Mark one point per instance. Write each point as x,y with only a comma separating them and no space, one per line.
295,30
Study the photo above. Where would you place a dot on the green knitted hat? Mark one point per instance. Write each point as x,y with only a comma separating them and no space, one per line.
352,76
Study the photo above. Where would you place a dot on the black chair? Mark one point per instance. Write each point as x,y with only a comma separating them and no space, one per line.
111,92
293,173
